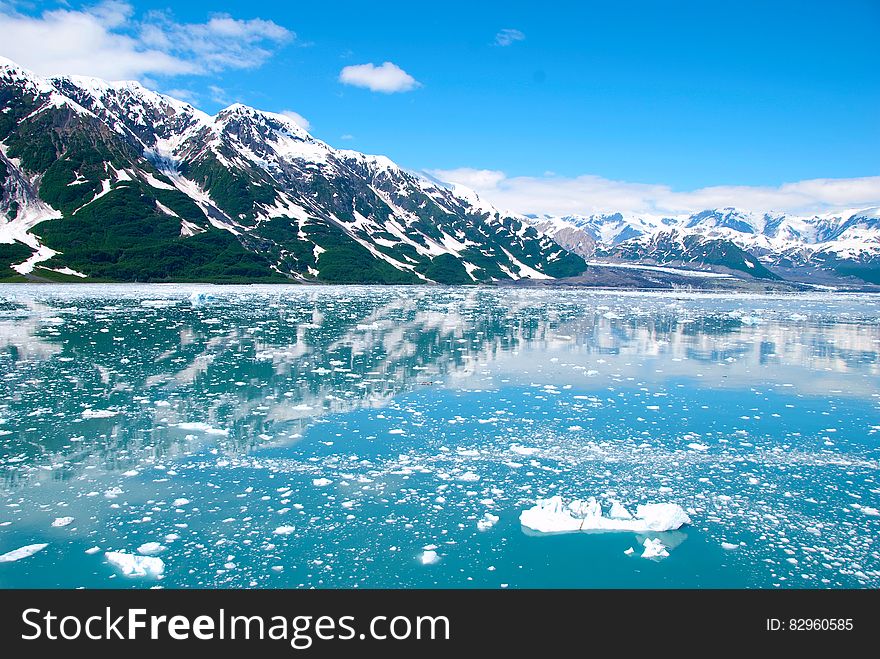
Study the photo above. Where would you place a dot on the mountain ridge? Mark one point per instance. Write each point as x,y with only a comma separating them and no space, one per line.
124,183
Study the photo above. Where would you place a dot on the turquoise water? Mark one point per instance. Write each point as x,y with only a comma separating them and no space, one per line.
311,436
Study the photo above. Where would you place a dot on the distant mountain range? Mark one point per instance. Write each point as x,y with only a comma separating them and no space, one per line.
109,181
831,249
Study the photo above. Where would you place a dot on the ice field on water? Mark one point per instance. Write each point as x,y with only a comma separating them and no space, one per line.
200,436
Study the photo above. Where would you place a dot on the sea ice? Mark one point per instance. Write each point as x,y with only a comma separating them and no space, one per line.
729,546
151,548
489,520
553,516
62,521
136,566
429,557
618,511
22,552
284,530
321,482
98,414
177,503
654,549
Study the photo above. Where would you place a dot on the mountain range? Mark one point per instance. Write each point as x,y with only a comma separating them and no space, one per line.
110,181
838,249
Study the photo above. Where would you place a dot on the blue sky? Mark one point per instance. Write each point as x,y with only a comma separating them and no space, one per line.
681,95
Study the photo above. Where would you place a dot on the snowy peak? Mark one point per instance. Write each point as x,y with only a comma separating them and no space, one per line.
150,188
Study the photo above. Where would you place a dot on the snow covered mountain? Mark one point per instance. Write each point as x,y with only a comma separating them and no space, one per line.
111,181
830,248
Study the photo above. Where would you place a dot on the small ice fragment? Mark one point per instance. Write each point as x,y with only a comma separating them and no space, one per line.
113,492
321,482
62,521
22,552
523,450
469,477
489,520
136,566
654,549
93,550
130,473
98,414
429,557
870,511
284,530
629,552
151,548
177,503
396,431
696,446
729,546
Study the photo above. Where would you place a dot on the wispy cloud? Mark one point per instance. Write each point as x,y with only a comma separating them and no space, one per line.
508,36
219,95
297,118
107,40
182,94
387,78
588,194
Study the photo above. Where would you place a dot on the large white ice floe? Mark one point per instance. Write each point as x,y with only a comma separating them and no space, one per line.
22,552
554,516
132,565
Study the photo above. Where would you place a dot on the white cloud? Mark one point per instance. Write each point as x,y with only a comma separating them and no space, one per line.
475,179
297,118
387,78
107,41
508,36
588,194
186,95
219,95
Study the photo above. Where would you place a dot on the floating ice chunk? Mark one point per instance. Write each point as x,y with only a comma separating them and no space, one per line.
629,552
396,431
93,550
130,473
202,427
429,557
98,414
113,492
151,548
618,511
284,530
469,477
553,516
729,546
198,298
870,511
696,446
489,520
523,450
132,565
321,482
654,549
22,552
177,503
62,521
